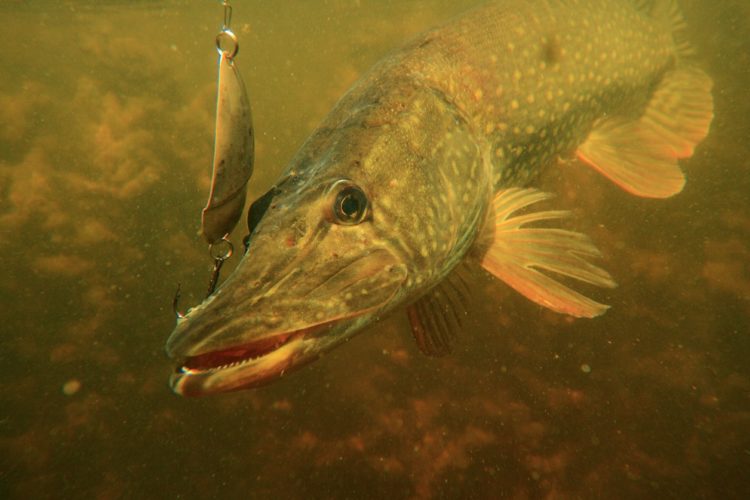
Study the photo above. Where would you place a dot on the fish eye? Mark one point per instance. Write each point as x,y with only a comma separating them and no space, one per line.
350,205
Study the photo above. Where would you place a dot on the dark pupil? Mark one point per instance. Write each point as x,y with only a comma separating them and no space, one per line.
350,206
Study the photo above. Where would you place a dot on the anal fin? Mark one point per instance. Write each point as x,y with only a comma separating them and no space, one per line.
641,155
517,254
437,317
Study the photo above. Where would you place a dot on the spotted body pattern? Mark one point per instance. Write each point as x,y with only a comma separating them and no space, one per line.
533,77
484,103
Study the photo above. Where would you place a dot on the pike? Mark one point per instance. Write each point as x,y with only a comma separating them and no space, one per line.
429,161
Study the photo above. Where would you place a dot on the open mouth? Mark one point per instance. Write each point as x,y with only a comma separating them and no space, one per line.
235,356
250,364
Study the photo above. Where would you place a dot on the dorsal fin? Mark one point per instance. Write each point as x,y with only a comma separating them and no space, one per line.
437,317
517,254
668,14
641,156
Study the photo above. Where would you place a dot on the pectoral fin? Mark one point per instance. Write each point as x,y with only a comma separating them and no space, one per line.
641,156
437,317
517,254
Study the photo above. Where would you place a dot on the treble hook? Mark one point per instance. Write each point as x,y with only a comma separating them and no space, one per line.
218,262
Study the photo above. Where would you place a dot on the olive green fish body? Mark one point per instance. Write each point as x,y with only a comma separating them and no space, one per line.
425,162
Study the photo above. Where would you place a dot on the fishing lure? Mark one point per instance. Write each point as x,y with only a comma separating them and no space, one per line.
234,156
234,145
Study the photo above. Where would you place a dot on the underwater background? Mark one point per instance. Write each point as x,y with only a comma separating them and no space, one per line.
106,131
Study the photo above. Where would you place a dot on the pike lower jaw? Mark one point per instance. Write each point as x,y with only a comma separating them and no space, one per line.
235,356
246,365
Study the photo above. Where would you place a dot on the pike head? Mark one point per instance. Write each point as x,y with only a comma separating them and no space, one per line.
360,223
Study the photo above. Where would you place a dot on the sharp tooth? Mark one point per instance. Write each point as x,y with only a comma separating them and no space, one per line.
281,341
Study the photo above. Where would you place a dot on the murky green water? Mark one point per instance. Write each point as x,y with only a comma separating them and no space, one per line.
106,121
